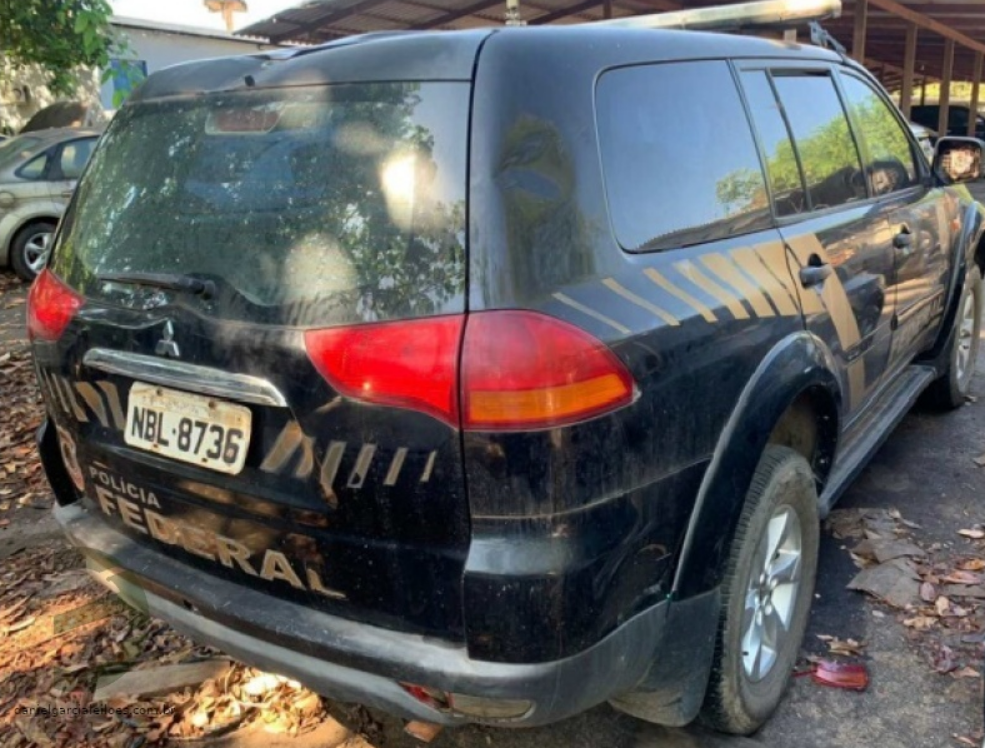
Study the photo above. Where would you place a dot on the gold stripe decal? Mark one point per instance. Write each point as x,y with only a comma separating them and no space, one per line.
682,295
752,265
773,258
394,472
728,271
690,271
835,301
115,406
329,469
614,286
88,393
591,313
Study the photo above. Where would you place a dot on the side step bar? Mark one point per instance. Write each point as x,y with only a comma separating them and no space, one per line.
877,425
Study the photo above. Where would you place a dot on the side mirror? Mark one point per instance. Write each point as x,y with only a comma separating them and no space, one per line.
958,160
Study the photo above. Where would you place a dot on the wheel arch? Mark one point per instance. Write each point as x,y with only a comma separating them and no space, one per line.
21,223
794,382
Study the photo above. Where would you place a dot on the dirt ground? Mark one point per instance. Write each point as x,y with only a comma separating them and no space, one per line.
925,660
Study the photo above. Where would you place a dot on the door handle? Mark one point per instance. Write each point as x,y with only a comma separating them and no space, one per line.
68,193
904,239
815,272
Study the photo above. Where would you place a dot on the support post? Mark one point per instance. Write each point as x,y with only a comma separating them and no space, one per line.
909,62
607,9
973,106
858,34
923,90
945,98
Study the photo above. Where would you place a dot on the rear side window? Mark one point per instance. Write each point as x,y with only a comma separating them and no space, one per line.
679,159
786,183
35,168
889,162
74,156
823,139
306,205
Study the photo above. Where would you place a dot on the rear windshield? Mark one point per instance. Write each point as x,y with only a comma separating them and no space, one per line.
305,206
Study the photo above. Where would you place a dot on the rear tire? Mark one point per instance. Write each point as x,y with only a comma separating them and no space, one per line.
951,388
766,594
30,247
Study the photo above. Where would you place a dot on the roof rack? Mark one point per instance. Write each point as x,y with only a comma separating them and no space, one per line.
767,14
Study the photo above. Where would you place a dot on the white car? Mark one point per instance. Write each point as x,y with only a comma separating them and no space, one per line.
926,138
38,172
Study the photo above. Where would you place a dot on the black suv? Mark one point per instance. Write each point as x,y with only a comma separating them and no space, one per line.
486,376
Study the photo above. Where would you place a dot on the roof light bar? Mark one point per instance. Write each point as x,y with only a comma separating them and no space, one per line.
772,14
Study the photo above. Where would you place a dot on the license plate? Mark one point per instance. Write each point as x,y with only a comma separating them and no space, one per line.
191,428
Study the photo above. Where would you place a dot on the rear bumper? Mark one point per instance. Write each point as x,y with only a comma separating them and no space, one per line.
354,662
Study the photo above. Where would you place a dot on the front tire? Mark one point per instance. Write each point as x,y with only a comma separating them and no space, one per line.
951,388
766,595
29,250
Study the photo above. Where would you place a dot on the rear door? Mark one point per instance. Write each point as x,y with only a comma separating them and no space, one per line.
916,214
825,217
268,276
67,163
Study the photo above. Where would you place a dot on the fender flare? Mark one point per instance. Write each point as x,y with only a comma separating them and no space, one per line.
797,364
962,254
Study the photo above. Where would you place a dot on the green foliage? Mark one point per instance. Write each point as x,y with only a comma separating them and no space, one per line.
59,36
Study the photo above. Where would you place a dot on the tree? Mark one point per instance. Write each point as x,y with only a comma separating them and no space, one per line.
60,36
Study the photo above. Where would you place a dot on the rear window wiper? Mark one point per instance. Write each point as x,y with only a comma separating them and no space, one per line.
169,281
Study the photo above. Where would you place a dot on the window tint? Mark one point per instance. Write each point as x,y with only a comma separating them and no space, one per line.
824,142
680,162
34,169
74,156
888,157
781,161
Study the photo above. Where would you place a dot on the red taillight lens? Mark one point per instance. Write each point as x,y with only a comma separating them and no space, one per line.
410,364
519,370
523,370
50,307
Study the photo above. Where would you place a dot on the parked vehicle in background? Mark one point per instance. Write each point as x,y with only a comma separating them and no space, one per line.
483,376
925,139
38,172
928,115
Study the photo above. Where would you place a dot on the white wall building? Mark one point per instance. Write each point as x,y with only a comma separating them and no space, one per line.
152,46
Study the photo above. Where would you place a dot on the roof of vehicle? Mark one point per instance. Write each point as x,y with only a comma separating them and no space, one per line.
449,55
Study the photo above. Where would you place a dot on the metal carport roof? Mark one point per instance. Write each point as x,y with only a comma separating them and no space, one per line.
905,42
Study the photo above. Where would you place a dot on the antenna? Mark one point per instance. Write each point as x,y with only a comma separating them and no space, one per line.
766,14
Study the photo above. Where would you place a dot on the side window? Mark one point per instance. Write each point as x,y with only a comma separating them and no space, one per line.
789,197
888,155
823,139
679,159
74,156
34,169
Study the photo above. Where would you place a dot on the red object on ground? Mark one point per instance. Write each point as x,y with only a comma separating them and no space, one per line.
851,676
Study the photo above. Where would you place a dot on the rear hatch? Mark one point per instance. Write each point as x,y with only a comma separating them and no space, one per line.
261,276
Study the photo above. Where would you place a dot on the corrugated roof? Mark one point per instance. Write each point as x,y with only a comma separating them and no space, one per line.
324,20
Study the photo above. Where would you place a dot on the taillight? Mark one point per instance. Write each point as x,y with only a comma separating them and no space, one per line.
50,307
524,370
411,364
519,370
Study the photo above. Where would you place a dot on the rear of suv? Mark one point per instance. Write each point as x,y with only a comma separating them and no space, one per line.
479,376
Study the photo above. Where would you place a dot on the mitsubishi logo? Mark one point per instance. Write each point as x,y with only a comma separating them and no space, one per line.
166,345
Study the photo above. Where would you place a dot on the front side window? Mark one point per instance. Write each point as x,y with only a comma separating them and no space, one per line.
888,156
679,159
823,139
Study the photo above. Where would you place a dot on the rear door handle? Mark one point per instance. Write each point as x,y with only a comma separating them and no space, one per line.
815,274
68,193
904,239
